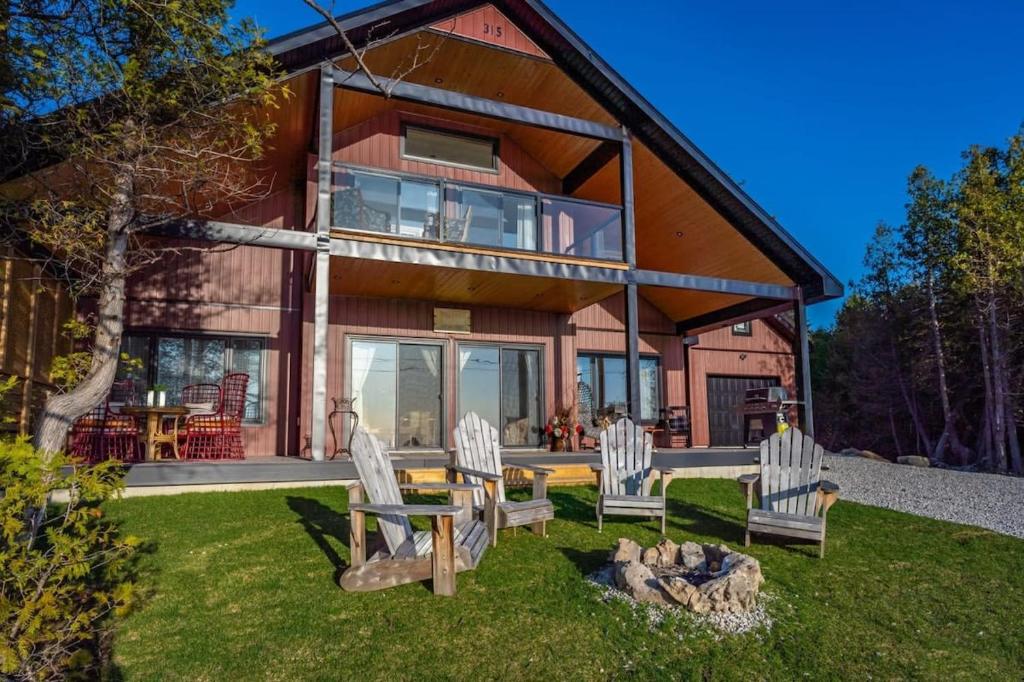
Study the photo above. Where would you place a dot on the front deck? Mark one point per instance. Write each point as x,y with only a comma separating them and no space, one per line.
170,477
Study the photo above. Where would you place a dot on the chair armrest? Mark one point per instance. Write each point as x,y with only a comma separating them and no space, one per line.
666,478
544,471
828,494
407,509
596,467
483,475
439,486
747,482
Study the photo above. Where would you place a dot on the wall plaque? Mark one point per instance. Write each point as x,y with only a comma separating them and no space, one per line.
452,321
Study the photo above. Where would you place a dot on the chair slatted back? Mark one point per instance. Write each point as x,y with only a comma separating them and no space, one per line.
477,447
380,483
626,456
790,472
233,395
194,394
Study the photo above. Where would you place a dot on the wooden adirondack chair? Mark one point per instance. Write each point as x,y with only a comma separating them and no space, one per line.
790,489
624,475
456,541
477,457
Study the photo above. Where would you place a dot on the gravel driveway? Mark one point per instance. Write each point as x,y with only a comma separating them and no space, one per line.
985,500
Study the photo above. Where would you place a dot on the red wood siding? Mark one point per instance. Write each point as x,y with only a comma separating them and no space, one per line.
376,143
487,25
236,290
720,353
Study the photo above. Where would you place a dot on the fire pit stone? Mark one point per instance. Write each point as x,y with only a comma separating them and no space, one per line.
702,578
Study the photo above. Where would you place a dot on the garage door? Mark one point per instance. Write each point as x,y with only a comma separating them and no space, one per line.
725,395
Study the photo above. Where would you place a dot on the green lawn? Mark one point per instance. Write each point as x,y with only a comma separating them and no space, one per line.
242,586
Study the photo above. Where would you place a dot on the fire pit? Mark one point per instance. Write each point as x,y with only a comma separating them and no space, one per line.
701,578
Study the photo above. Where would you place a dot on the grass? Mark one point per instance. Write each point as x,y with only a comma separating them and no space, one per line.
242,586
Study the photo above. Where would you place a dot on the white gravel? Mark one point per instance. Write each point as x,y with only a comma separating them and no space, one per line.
985,500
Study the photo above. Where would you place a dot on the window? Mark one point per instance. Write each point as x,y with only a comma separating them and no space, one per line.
385,203
742,329
503,386
492,218
175,361
602,386
450,148
396,390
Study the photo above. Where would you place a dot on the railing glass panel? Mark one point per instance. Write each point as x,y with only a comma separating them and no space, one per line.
576,228
413,207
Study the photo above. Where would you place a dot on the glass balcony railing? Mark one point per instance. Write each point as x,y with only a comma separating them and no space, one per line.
439,210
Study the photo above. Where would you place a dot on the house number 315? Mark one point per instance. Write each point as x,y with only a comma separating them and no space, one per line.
492,30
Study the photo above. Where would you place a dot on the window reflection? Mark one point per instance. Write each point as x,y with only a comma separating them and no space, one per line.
396,390
478,382
175,361
503,386
603,391
411,207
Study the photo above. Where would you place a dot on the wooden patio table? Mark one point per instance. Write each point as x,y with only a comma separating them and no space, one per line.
154,437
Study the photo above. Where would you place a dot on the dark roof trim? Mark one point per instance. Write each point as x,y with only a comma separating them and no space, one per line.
751,309
306,47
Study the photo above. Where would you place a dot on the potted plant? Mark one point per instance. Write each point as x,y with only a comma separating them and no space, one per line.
160,391
560,429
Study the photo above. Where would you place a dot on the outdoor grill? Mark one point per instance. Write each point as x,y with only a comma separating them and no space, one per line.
763,409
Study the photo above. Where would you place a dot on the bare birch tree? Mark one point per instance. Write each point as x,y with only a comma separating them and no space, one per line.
120,116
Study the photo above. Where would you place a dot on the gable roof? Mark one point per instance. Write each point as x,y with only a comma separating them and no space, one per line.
308,47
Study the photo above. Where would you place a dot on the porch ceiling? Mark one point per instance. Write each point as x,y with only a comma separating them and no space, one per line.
380,279
685,304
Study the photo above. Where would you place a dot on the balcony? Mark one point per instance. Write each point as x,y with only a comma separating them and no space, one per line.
438,210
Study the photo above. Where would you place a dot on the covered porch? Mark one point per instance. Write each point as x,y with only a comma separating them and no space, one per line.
254,473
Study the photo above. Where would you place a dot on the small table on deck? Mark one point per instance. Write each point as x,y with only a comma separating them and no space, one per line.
154,415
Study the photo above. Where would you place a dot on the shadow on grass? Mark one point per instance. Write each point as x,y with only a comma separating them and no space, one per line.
727,529
586,561
133,571
691,518
569,506
322,523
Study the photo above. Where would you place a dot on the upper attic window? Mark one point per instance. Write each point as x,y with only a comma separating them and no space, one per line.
742,329
453,149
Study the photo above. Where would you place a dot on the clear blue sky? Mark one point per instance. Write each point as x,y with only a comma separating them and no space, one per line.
819,109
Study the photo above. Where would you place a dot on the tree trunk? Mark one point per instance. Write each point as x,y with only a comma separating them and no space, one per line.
1007,432
998,402
986,445
949,431
911,402
895,436
61,410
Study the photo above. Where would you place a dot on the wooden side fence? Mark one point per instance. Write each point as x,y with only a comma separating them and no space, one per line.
32,309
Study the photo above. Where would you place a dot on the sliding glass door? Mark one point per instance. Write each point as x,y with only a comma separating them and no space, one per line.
503,385
396,388
604,378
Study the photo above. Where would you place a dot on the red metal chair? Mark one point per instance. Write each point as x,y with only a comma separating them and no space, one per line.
122,392
197,394
101,434
219,435
195,397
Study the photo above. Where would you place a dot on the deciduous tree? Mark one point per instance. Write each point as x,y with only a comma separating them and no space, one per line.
117,117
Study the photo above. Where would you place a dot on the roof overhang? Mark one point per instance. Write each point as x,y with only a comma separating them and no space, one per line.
304,49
